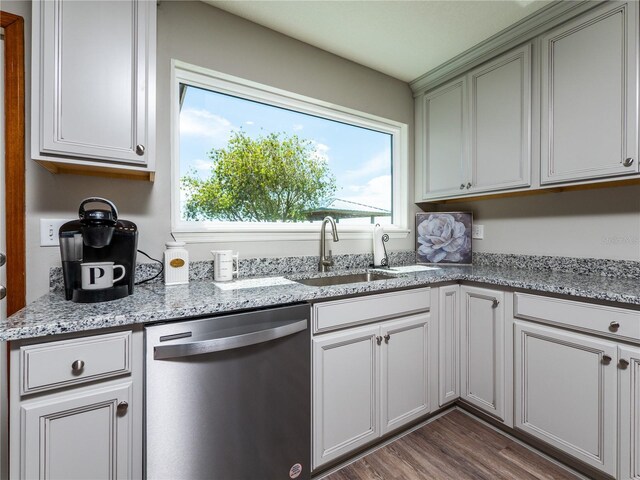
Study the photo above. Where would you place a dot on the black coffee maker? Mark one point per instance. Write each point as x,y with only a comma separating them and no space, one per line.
97,236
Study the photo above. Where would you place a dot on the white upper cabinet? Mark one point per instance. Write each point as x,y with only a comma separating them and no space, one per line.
94,85
500,93
444,166
589,94
475,132
560,108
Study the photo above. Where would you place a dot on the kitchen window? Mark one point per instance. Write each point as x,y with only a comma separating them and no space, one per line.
252,159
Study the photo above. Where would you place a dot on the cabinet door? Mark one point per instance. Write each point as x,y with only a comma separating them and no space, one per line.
405,370
500,111
346,372
629,416
589,96
92,73
448,344
482,355
444,148
565,392
78,436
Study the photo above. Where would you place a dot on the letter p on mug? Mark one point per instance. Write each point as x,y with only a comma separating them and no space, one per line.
98,275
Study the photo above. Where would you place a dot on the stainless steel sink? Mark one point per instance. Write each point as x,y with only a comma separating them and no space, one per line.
342,279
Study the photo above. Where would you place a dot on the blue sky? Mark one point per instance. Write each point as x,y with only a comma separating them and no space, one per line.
358,157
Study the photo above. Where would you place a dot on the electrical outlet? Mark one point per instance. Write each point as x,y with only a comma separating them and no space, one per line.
49,228
478,232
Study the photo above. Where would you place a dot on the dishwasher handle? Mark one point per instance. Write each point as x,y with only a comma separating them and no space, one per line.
200,347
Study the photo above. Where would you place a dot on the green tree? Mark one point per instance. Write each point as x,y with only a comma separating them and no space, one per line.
267,179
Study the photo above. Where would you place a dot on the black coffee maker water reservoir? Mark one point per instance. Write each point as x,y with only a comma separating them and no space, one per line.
97,236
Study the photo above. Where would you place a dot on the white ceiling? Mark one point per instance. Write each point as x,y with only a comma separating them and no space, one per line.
402,38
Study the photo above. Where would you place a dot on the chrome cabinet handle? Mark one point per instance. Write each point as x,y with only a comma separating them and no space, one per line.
614,326
3,292
378,339
3,259
627,162
140,149
386,338
623,364
468,185
606,359
462,186
77,366
495,303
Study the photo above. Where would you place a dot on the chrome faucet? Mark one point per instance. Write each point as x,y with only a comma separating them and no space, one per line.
324,260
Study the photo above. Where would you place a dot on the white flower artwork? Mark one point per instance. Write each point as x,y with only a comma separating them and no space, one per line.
444,238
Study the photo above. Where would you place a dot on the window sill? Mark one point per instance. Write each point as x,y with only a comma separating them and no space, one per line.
264,235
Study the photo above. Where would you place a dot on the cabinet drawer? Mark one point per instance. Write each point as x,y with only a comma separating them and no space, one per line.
354,311
611,321
51,365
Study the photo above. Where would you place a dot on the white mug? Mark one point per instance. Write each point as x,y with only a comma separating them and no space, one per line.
96,275
223,265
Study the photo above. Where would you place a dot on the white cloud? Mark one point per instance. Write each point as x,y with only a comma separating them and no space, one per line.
249,122
297,127
375,193
376,165
321,151
200,167
202,123
200,164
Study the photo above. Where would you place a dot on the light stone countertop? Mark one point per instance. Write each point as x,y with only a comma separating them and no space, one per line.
51,314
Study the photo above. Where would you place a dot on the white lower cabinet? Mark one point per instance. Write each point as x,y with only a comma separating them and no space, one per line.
575,391
482,354
86,434
368,381
566,392
76,408
405,375
448,344
346,385
629,415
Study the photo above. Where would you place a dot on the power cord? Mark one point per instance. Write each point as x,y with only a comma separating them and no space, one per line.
156,275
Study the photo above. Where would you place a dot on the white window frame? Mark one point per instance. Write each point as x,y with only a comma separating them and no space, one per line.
205,78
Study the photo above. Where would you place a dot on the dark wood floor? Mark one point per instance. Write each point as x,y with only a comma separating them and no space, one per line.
455,446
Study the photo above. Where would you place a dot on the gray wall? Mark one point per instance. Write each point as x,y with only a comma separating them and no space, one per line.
200,34
596,223
602,223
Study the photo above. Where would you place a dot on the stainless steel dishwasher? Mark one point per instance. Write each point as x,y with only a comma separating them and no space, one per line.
229,397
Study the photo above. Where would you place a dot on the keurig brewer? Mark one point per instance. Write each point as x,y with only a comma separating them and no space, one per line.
93,246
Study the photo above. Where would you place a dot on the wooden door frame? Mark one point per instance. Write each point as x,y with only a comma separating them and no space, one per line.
14,93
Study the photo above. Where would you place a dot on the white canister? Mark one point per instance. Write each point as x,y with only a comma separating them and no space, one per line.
176,264
223,270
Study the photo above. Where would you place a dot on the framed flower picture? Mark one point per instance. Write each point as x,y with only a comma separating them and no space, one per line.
444,238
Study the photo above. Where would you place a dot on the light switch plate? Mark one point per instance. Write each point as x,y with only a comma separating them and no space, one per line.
49,228
478,232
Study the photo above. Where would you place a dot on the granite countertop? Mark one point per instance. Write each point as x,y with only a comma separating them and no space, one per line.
51,314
